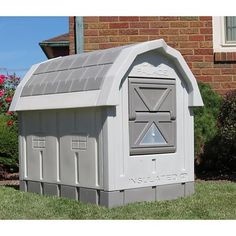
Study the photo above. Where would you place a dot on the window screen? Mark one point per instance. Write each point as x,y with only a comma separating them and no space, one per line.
230,29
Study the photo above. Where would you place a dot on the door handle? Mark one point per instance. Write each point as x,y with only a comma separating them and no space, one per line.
132,115
172,115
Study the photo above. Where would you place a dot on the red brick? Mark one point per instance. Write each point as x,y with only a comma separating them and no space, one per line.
204,78
222,65
88,19
234,56
196,71
223,56
229,56
97,39
149,31
118,25
205,30
129,18
97,25
206,44
91,47
194,58
228,71
186,51
209,58
138,38
208,23
196,24
108,32
139,25
154,37
211,71
108,45
208,38
179,24
108,18
71,35
128,32
222,78
91,32
203,51
228,85
149,18
189,44
119,39
202,65
217,56
169,18
205,18
196,37
169,31
189,18
221,91
173,44
178,38
215,85
160,24
189,31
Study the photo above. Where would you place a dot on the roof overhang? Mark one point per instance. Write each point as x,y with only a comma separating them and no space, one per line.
49,48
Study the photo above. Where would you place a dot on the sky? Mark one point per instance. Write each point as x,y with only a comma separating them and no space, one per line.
20,37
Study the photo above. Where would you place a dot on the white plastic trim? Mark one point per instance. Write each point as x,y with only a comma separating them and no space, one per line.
59,101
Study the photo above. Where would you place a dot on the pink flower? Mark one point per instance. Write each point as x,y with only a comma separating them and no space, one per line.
9,113
10,122
2,92
8,99
2,79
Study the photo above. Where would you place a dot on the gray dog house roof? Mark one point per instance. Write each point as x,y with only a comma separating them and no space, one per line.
91,79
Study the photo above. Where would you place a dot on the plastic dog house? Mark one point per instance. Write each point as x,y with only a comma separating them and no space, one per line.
109,127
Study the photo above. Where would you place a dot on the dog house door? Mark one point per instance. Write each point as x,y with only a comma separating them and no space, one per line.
152,116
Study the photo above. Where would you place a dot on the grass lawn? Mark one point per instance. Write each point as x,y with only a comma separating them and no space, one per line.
212,200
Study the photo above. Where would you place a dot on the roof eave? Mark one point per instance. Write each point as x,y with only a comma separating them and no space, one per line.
54,44
45,46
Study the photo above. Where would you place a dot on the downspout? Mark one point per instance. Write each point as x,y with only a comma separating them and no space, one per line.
79,34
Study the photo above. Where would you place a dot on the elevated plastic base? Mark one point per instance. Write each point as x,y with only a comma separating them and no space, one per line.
113,198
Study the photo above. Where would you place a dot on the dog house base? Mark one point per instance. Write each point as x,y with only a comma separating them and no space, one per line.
112,198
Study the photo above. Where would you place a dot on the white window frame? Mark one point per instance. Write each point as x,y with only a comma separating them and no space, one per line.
219,36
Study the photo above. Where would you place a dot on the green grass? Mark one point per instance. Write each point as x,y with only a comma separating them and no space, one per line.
212,200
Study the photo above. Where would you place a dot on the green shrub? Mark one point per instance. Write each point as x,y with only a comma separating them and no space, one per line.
227,132
205,120
8,144
227,117
218,155
8,123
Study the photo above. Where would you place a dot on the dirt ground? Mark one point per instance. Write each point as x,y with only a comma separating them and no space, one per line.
10,179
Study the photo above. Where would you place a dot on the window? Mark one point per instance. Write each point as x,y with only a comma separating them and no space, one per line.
230,29
224,33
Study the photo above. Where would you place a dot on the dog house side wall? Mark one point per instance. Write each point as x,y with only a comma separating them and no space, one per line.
62,147
140,171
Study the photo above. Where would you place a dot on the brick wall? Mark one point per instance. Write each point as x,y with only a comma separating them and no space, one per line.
192,36
72,35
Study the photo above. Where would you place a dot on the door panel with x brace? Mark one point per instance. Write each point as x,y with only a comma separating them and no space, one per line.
152,116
